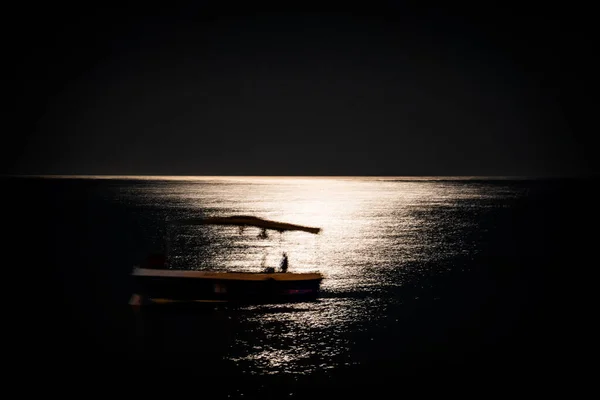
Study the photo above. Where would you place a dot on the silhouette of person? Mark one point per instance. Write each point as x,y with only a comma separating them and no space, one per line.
284,263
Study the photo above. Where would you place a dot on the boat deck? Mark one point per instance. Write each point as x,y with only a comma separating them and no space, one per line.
237,276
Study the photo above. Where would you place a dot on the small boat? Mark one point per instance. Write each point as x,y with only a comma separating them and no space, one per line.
155,283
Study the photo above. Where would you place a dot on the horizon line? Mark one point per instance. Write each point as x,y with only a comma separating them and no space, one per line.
173,177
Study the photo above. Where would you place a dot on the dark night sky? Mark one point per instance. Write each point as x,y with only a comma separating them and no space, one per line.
195,91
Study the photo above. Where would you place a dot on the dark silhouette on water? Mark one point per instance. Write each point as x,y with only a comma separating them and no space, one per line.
284,263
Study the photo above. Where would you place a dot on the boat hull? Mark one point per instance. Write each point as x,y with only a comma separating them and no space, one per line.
168,286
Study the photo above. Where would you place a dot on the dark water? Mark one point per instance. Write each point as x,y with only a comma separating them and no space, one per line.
425,278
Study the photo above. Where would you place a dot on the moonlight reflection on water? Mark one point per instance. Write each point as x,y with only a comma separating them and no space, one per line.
378,236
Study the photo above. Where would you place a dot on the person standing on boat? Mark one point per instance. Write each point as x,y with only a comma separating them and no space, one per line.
284,263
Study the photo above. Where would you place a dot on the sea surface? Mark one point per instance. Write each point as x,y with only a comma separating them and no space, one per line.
424,277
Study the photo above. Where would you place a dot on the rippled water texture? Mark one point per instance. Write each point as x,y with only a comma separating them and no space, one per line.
378,236
469,277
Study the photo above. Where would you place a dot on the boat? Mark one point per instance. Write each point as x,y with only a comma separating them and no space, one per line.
155,283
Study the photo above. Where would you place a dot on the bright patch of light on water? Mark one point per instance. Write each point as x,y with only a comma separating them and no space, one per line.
377,235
